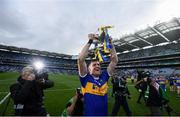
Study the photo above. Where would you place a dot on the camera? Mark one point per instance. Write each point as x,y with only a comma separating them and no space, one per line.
78,91
40,75
119,85
146,74
119,82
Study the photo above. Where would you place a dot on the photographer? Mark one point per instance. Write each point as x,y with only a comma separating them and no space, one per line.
27,93
120,90
155,95
75,105
141,86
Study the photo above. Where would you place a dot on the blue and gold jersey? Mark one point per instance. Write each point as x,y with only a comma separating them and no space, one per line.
95,94
177,81
162,83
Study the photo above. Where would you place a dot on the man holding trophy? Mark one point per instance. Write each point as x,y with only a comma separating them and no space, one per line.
94,81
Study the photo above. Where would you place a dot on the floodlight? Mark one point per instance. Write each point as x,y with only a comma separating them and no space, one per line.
38,65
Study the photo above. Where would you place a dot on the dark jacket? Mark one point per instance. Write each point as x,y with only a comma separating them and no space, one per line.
154,98
28,97
143,86
119,87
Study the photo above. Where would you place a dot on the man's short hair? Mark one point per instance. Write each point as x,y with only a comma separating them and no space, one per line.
92,60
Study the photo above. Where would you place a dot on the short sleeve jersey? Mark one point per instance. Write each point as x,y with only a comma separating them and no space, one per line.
95,94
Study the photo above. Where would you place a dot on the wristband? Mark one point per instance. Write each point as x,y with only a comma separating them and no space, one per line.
90,41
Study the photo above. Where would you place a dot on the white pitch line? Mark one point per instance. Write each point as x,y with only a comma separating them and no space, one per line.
5,98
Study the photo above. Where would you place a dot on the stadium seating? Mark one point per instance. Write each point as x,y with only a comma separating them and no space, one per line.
13,61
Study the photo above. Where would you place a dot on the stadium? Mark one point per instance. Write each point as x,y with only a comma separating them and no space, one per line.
155,49
49,51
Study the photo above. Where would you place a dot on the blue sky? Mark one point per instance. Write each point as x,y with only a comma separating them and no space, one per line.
63,25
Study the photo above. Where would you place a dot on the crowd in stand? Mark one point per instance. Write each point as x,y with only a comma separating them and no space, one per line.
8,68
57,64
4,55
154,51
11,61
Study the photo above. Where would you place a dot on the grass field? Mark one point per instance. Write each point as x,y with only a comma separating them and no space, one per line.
65,85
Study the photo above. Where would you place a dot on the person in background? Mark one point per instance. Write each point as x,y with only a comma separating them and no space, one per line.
171,83
132,78
120,90
178,85
156,97
141,86
162,82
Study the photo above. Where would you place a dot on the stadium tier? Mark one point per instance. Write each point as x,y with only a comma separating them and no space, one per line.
158,56
156,46
14,59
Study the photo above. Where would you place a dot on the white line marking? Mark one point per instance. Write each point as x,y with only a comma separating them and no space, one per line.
5,98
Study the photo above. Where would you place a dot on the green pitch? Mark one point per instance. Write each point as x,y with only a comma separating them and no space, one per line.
65,85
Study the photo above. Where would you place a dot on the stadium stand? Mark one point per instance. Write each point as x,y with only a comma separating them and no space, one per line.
153,48
14,59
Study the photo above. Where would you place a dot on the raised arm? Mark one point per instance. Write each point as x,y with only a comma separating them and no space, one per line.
82,66
114,60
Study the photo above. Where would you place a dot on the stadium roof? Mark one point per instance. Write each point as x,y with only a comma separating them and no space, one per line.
34,52
165,32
